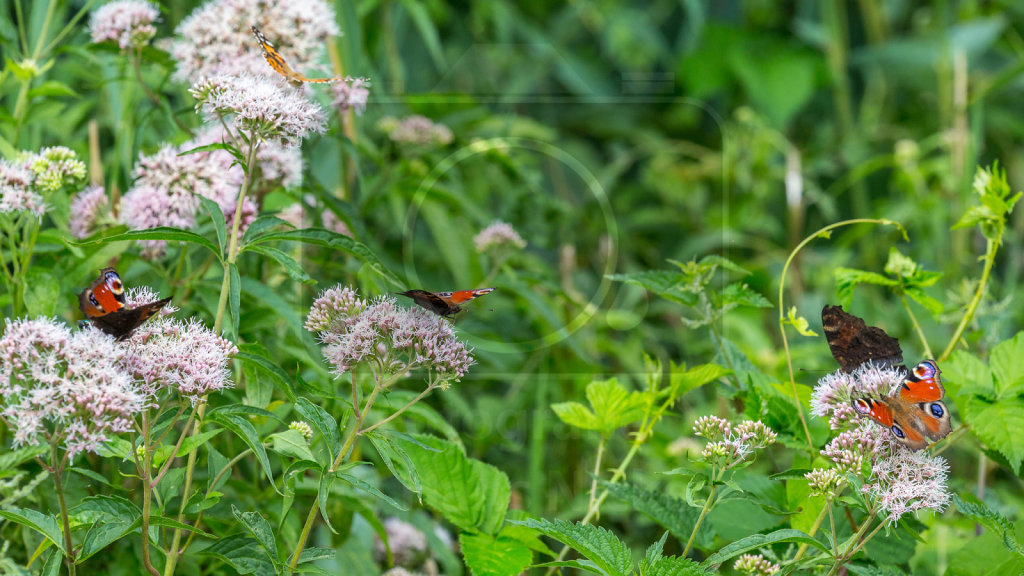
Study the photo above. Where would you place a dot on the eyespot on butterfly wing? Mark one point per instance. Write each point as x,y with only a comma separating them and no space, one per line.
103,303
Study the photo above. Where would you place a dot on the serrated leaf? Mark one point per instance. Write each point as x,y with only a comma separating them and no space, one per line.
683,381
991,520
322,421
213,209
12,458
671,513
389,452
799,323
759,541
43,523
1007,368
256,356
612,407
469,493
963,373
594,543
739,294
494,556
371,490
261,225
259,528
245,431
291,444
668,284
288,264
997,424
242,553
195,441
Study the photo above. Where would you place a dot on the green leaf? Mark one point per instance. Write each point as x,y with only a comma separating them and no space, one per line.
322,421
487,555
290,266
42,293
291,444
389,452
739,294
245,431
613,407
370,489
682,381
255,355
105,508
759,541
998,425
1007,368
594,543
12,458
53,564
44,524
965,374
259,528
261,225
671,513
160,233
195,441
213,209
469,493
242,553
802,326
333,240
668,284
848,278
993,521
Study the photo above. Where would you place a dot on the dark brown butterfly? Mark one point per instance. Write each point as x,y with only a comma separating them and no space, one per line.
103,303
915,412
444,303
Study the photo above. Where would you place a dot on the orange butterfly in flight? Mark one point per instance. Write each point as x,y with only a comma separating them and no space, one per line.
278,63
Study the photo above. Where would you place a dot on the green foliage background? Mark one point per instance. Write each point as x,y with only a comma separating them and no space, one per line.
615,138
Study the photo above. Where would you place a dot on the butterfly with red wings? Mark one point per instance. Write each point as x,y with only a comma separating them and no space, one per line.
444,304
103,303
915,413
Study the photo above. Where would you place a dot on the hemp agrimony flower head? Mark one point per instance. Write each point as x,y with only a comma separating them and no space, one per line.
496,236
259,107
90,208
68,386
54,168
392,339
896,480
415,130
129,23
215,39
350,94
755,565
409,546
730,445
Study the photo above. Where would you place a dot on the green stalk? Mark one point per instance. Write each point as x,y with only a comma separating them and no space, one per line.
173,552
822,233
700,519
990,258
147,492
58,485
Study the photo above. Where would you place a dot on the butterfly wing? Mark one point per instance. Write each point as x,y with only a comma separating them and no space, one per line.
854,343
463,296
895,415
922,392
280,65
273,57
122,323
437,303
103,296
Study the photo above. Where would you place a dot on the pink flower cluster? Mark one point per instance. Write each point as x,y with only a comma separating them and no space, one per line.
129,23
391,338
896,479
729,445
66,386
260,108
415,130
755,565
88,209
498,234
351,94
215,39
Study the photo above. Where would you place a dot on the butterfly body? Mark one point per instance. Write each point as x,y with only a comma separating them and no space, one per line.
915,413
280,65
103,303
444,303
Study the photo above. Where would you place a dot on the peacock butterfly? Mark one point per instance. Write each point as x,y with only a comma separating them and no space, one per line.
103,303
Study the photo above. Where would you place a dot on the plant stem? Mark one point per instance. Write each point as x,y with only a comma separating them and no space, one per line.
990,258
823,232
147,492
338,460
421,396
209,490
917,326
700,519
58,485
597,471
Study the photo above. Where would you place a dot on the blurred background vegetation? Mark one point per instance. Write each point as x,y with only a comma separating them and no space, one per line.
614,137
